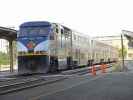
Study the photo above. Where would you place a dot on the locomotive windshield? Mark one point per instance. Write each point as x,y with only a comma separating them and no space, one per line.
34,31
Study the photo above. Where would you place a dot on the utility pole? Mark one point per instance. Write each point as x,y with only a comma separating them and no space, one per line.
122,52
11,54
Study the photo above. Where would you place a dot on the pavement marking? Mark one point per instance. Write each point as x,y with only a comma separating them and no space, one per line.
56,75
72,86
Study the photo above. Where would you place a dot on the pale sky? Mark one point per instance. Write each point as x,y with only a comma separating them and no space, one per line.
92,17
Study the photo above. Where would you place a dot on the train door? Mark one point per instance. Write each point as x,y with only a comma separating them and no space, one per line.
54,49
79,56
62,59
68,47
77,50
74,50
93,45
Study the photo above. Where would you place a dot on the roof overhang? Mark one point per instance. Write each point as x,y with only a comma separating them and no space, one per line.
8,33
128,34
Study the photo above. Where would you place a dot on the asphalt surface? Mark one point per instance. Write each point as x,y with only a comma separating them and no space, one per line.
117,86
109,86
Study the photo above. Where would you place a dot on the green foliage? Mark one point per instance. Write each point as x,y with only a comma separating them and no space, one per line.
124,52
4,58
116,67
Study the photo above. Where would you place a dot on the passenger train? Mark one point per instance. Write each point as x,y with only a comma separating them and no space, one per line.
49,47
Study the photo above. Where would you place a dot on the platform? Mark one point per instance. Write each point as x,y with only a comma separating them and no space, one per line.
7,73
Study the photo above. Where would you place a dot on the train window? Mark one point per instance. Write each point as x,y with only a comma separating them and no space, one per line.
74,36
57,31
62,38
66,35
62,31
45,30
78,38
130,55
82,55
69,34
76,53
52,36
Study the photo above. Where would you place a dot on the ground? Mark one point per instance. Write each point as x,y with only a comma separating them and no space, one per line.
107,86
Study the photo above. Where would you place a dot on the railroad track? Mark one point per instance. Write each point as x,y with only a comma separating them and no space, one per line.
25,84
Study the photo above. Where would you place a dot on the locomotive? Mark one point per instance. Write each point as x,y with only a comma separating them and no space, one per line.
49,47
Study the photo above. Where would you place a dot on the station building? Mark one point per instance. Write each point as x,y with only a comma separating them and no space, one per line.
115,41
8,45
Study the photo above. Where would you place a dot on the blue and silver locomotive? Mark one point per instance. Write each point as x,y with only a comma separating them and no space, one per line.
33,47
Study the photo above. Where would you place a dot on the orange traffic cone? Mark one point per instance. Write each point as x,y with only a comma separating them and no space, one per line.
105,66
93,70
102,68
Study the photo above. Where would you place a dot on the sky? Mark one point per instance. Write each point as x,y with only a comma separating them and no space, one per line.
92,17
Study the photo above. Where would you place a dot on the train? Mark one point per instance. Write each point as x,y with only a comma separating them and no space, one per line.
45,47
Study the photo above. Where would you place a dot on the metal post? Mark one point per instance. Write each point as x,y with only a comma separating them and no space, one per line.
92,52
122,52
11,55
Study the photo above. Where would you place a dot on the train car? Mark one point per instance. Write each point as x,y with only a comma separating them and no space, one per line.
103,53
48,47
81,49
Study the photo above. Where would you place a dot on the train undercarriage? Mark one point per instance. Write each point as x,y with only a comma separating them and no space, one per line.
46,64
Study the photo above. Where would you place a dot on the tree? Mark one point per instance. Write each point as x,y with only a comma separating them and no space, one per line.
124,52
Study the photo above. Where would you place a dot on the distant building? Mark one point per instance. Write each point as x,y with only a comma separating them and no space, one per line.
115,41
4,46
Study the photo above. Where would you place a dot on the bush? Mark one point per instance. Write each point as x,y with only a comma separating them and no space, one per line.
4,58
